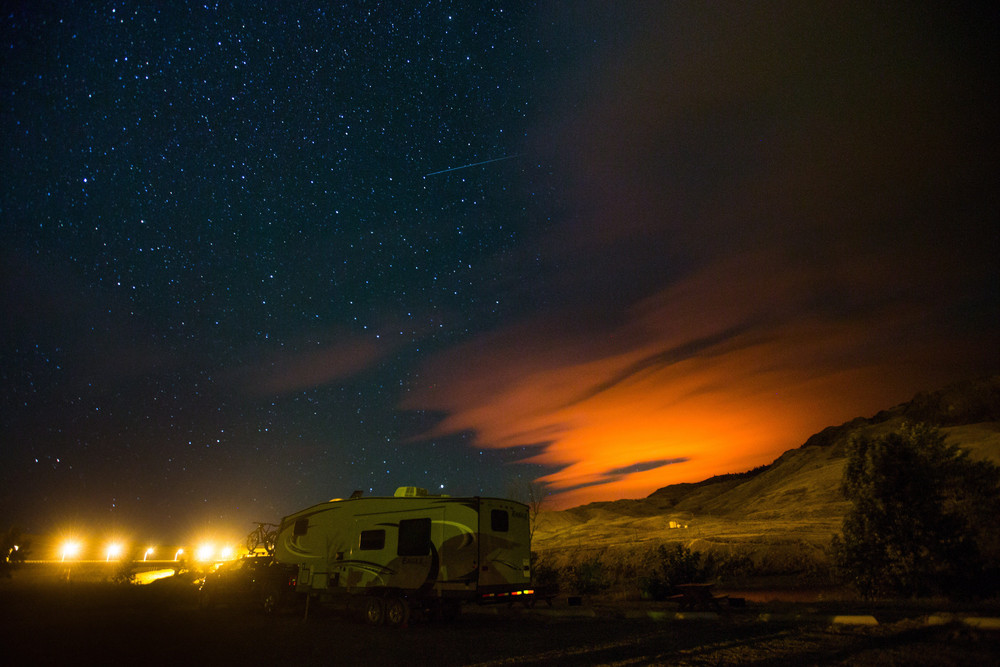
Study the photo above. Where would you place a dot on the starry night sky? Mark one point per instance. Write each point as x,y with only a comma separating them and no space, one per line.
258,256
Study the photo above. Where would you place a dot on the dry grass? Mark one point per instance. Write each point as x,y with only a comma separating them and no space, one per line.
781,520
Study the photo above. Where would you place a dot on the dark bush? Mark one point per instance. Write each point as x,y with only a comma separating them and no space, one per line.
676,565
924,519
543,576
588,577
737,565
124,572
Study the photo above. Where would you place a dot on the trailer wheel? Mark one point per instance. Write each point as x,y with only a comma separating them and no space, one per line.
397,612
374,611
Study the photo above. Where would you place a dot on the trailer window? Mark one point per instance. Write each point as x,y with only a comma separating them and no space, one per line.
414,537
372,540
301,527
499,521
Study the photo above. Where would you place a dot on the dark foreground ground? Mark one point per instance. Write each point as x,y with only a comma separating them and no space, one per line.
161,624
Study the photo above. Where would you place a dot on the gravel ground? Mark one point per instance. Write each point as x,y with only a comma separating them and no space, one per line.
160,624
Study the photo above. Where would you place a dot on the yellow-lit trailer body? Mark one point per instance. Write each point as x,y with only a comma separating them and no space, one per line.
412,549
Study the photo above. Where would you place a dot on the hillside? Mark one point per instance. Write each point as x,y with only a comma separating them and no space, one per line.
788,509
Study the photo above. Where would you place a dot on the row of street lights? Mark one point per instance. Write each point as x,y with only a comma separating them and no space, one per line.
71,549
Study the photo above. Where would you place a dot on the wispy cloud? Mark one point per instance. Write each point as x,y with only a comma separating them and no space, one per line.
717,373
313,364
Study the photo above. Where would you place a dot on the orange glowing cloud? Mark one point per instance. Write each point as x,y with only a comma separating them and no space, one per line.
719,373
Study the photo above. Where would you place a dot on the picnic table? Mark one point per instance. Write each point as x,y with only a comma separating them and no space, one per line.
693,596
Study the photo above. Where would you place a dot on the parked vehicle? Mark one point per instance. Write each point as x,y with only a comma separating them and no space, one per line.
255,582
389,555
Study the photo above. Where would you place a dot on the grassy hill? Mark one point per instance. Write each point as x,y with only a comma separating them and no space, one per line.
781,516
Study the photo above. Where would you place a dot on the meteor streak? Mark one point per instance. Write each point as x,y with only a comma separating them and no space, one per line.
474,164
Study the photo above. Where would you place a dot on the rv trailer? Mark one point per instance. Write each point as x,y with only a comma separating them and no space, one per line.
388,555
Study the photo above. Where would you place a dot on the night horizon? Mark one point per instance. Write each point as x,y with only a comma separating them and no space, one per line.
257,259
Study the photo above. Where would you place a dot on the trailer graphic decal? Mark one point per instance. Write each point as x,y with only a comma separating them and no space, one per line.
412,547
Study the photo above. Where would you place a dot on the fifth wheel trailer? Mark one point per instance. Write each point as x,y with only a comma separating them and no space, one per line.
388,555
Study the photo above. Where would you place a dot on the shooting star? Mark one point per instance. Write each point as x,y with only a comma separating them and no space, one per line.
474,164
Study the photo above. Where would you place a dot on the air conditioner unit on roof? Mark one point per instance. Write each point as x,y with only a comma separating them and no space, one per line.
410,492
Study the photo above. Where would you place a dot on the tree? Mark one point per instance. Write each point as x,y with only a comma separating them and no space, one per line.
924,515
532,494
536,500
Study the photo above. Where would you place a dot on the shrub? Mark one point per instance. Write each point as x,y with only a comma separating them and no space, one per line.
677,565
124,572
735,565
924,516
542,574
587,577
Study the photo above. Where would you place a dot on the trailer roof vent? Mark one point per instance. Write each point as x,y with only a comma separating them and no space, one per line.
410,492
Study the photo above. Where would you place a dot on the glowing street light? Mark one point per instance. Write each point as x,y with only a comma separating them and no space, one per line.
147,554
204,552
178,553
114,551
70,549
226,553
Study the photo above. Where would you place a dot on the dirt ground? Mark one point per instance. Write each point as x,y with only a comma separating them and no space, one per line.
43,623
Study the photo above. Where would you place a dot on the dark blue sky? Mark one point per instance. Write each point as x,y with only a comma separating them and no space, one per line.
237,279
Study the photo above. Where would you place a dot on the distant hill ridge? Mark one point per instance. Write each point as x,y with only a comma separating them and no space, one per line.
969,402
784,512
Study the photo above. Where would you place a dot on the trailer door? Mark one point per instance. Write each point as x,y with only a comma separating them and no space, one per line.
504,556
396,549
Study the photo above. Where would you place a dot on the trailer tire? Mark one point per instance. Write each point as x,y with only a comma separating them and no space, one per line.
374,611
397,612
